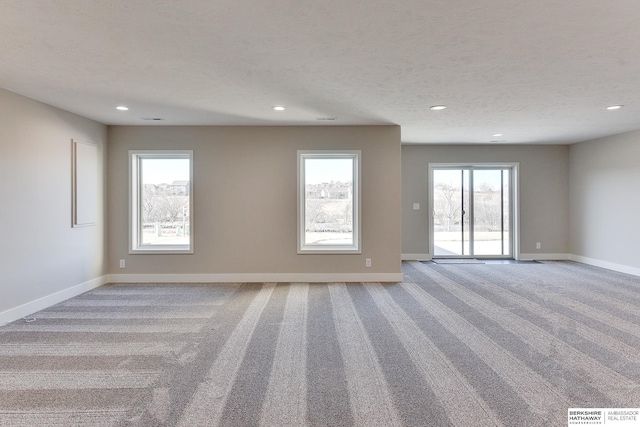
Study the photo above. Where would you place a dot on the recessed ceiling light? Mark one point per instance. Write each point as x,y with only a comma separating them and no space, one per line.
614,107
438,107
278,108
497,134
122,108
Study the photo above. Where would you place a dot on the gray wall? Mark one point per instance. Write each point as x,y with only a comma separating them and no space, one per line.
41,253
580,199
245,181
605,199
544,192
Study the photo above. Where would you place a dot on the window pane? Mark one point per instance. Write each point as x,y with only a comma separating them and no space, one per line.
450,202
164,202
329,201
491,202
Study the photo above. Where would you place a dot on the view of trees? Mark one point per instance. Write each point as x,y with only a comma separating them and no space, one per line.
487,208
165,208
447,207
447,200
462,194
329,207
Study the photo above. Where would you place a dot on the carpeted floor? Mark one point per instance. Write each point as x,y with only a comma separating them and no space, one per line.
457,261
454,345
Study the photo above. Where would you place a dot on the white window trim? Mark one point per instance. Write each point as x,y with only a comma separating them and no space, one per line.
135,213
356,247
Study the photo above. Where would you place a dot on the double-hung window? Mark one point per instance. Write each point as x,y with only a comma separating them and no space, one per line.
161,201
329,202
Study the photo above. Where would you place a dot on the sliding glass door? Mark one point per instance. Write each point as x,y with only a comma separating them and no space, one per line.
472,211
451,195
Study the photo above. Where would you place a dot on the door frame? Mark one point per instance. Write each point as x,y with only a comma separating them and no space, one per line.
514,191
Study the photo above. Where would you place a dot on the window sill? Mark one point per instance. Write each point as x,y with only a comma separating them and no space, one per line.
161,251
329,251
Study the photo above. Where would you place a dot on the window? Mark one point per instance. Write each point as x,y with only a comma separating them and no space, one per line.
161,202
474,210
329,202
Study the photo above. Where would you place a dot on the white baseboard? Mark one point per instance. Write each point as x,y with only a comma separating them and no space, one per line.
606,264
254,278
544,257
47,301
416,257
57,297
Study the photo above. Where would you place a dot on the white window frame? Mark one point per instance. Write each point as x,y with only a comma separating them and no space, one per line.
356,247
514,194
135,198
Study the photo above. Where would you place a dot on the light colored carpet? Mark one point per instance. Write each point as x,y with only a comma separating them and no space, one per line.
457,261
454,345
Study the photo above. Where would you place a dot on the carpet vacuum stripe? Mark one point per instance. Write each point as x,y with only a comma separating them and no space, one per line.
34,380
126,329
556,318
207,404
137,303
328,402
285,400
613,317
157,348
99,418
453,345
371,401
450,387
602,282
610,382
535,390
99,315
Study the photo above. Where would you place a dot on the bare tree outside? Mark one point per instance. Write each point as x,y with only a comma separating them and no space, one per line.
329,212
446,199
328,208
165,201
471,211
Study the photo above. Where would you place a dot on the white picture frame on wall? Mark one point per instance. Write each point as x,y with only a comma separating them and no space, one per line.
84,193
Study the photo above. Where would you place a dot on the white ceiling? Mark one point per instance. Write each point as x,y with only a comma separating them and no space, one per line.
536,71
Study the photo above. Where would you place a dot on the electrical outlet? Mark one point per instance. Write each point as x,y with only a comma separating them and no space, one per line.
416,206
122,263
538,245
367,262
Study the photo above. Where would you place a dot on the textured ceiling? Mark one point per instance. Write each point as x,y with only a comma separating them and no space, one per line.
537,71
